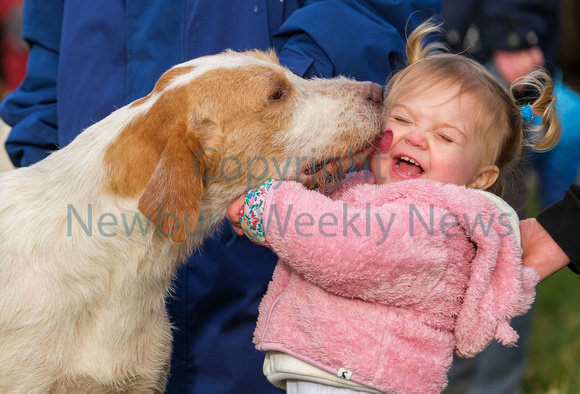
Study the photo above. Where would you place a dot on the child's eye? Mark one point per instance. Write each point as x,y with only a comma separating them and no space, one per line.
444,138
400,119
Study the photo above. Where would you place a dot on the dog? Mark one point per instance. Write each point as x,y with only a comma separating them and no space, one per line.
91,237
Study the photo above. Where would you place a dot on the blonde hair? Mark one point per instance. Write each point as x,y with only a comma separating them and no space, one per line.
499,123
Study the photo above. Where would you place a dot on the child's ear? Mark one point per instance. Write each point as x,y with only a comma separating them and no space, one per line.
484,178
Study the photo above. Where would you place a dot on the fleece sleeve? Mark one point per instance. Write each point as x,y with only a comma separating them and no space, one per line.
368,244
252,215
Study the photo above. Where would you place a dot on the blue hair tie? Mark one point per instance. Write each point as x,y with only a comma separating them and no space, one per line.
527,113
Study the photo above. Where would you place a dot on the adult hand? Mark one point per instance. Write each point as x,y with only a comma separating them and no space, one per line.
541,252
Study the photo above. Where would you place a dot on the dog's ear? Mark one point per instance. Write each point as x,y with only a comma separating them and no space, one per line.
172,197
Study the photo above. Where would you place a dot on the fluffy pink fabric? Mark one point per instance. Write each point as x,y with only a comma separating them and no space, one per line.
392,308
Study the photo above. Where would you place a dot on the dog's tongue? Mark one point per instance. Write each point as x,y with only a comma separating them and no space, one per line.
385,141
409,168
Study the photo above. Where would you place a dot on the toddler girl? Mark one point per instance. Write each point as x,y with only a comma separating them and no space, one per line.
381,281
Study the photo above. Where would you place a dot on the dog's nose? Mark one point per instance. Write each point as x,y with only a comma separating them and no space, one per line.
375,92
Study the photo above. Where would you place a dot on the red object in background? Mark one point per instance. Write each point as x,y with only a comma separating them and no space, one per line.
14,49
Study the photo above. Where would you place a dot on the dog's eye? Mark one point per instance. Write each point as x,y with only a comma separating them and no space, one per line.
277,94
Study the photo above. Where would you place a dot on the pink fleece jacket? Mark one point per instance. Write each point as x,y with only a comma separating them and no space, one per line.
388,281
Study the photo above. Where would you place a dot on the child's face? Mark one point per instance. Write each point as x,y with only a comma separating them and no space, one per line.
433,137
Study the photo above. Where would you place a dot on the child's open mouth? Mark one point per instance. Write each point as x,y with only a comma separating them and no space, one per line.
408,166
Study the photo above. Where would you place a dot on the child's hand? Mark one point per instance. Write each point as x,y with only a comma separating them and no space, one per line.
235,210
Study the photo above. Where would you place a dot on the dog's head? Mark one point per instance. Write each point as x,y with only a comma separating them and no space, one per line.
218,125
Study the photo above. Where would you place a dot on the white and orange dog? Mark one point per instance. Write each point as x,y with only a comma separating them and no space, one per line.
83,277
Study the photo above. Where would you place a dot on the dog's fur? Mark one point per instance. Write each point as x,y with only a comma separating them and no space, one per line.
82,287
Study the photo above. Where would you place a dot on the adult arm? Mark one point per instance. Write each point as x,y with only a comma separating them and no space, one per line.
550,241
357,39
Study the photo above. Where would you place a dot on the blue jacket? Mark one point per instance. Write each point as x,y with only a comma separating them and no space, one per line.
90,57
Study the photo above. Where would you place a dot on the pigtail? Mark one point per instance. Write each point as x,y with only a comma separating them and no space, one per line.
542,125
417,46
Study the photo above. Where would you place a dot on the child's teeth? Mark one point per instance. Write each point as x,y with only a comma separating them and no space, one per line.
408,159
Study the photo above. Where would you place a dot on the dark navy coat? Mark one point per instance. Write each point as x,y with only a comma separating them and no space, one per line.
90,57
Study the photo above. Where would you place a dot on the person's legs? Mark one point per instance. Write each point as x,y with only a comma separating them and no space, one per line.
498,369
